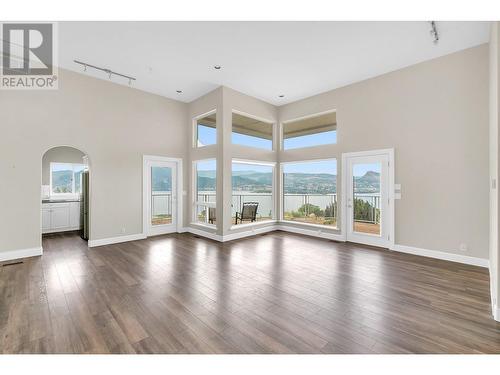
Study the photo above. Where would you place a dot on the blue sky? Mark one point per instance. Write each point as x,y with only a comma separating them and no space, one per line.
208,136
324,138
324,166
238,167
209,165
247,140
360,170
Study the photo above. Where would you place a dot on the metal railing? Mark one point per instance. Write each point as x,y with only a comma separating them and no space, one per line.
308,203
369,213
161,203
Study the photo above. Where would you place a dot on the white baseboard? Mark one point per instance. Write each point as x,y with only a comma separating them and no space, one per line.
72,229
204,233
112,240
19,254
496,313
311,232
481,262
251,231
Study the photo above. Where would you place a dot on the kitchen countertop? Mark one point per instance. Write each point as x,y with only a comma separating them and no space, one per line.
60,200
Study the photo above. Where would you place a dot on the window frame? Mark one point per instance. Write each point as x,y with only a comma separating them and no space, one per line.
261,119
337,226
273,191
195,128
318,114
194,190
73,193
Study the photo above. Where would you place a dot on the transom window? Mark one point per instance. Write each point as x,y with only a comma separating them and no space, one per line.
206,130
250,132
66,178
310,131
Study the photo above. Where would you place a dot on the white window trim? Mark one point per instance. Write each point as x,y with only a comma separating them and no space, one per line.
273,191
194,191
65,195
282,196
195,128
283,123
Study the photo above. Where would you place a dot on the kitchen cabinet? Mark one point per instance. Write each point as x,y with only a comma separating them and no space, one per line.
60,216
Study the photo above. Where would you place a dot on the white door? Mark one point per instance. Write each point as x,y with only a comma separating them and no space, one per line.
160,188
367,199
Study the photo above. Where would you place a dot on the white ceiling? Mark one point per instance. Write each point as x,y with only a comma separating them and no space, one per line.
261,59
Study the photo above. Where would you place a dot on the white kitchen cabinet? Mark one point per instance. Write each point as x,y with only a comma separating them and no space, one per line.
60,216
74,214
45,219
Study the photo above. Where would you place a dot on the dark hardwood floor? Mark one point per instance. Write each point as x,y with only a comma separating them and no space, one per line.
274,293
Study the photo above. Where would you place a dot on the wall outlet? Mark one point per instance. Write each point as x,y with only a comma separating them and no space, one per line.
123,230
463,247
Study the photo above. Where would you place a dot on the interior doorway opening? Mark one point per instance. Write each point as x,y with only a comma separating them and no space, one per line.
65,192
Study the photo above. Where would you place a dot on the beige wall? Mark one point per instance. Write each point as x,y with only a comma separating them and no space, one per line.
435,115
114,125
62,154
494,165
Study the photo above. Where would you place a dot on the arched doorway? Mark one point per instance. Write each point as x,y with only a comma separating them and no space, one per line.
65,192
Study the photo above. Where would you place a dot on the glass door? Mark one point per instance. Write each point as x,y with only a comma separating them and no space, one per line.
161,197
368,199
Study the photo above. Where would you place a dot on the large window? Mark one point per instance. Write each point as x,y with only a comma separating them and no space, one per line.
310,192
252,197
251,132
204,191
311,131
206,131
65,178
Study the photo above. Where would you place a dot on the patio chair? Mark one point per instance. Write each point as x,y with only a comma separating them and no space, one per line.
248,212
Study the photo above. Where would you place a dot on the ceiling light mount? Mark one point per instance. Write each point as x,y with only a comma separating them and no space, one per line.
217,67
109,72
434,32
178,91
281,96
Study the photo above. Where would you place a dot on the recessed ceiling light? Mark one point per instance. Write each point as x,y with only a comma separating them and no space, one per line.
178,91
217,67
281,96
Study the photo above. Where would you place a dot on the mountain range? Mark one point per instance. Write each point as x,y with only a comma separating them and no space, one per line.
295,183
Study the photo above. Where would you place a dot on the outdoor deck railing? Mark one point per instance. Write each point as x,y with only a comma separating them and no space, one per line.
162,204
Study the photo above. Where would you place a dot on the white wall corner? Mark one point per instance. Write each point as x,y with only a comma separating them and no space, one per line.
113,240
205,233
452,257
496,313
20,254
